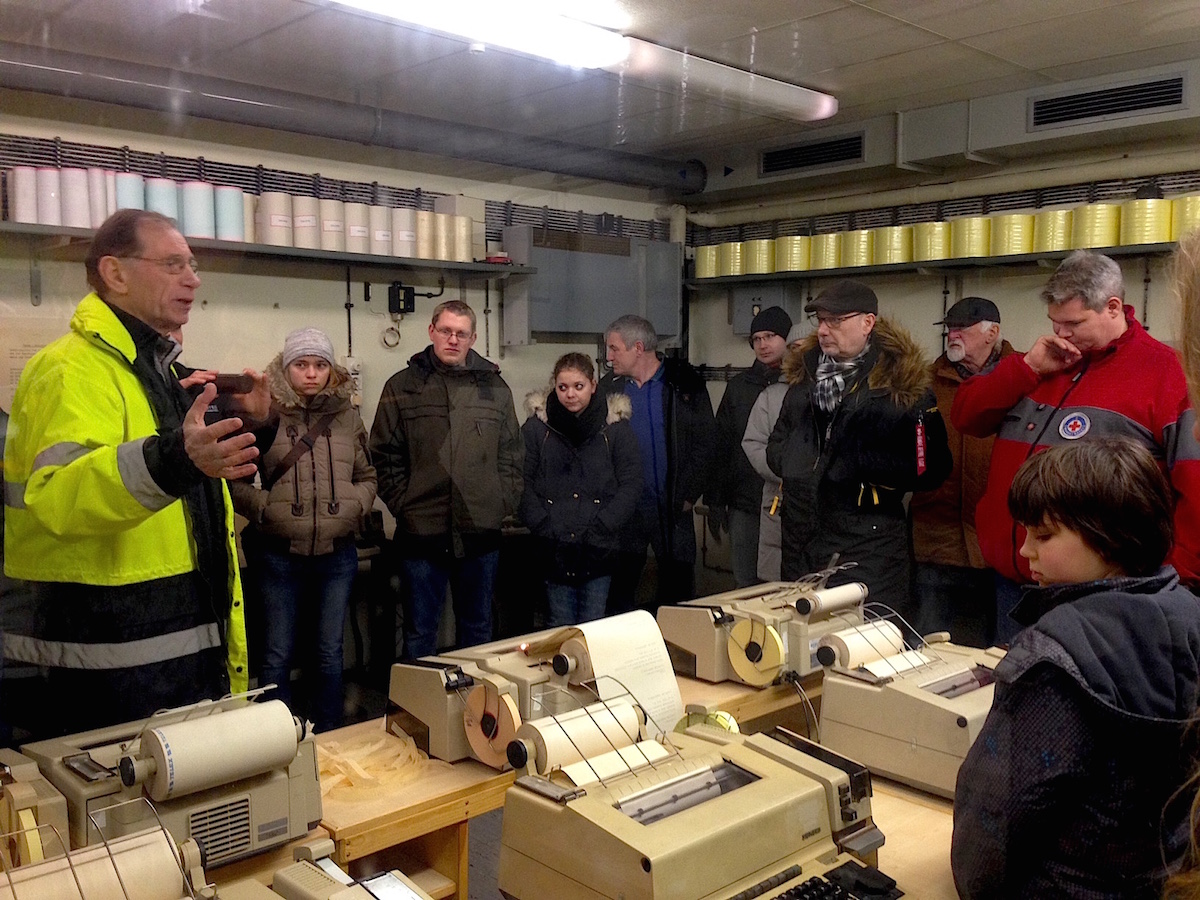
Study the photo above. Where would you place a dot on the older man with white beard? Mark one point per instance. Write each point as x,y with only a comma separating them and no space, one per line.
955,589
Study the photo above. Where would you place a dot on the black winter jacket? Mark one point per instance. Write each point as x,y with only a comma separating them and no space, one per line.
691,431
447,449
845,474
583,479
1065,791
735,483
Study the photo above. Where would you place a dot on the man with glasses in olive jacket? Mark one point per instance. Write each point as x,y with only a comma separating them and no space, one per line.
859,429
448,454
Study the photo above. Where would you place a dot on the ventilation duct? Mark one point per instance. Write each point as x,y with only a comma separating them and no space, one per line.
812,155
178,93
1131,107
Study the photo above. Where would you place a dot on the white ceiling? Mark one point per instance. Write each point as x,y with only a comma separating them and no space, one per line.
875,56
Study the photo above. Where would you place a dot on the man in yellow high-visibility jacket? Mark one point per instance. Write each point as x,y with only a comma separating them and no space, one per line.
117,512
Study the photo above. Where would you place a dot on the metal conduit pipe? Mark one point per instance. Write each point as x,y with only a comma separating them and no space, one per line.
180,93
1101,170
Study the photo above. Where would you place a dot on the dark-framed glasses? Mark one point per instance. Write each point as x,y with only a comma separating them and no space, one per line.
448,333
832,321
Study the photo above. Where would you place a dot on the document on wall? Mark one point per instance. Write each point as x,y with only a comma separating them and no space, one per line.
628,655
20,339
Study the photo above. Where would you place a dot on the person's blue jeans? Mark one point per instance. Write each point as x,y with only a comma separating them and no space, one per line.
472,581
570,604
297,590
743,547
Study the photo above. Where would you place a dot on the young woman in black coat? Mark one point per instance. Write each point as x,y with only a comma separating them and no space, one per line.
583,478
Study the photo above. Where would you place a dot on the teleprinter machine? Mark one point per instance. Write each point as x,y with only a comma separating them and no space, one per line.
237,777
911,716
468,703
710,815
754,634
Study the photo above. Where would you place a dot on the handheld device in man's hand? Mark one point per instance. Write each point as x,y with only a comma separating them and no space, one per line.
234,384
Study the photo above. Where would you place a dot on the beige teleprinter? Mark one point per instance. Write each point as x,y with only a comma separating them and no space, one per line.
909,714
702,815
237,777
468,703
754,634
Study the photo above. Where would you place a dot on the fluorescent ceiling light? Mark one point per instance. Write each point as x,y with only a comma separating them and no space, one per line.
531,27
591,39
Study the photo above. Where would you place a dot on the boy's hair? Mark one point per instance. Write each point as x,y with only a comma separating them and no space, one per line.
456,308
1110,492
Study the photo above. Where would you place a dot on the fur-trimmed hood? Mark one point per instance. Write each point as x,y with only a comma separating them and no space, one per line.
335,394
900,367
620,408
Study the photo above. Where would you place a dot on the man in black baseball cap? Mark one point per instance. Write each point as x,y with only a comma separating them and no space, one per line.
972,348
859,429
955,588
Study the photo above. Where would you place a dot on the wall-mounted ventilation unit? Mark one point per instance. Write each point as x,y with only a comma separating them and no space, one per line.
812,155
1157,95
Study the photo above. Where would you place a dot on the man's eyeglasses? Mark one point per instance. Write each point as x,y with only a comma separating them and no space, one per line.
173,264
832,321
448,333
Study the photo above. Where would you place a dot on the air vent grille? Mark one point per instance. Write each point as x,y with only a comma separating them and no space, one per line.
812,155
223,831
1163,94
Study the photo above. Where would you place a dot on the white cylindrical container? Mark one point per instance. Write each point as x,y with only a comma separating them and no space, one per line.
162,196
306,222
23,195
425,234
110,190
49,196
76,207
249,207
97,196
379,218
229,210
198,212
404,232
358,228
131,190
443,236
464,227
273,219
332,215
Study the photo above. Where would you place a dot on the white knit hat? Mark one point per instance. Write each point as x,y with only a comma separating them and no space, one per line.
307,342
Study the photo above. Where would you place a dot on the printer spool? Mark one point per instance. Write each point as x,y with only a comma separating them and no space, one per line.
589,731
854,647
196,754
491,720
827,600
755,652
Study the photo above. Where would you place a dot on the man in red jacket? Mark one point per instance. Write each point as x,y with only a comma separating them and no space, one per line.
1098,375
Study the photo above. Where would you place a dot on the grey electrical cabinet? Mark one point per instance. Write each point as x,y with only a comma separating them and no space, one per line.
585,281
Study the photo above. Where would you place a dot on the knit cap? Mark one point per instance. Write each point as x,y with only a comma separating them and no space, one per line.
307,342
773,319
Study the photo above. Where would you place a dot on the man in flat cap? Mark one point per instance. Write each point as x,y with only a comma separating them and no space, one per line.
954,587
735,498
859,429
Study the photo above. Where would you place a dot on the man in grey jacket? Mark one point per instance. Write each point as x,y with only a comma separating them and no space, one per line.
448,453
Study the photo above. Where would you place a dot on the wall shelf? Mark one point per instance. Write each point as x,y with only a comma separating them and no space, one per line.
931,266
71,244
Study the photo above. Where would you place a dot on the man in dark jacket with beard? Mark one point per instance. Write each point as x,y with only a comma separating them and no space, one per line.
859,428
673,421
448,453
735,499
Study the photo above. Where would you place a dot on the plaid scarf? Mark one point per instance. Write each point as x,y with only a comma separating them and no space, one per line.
832,375
992,360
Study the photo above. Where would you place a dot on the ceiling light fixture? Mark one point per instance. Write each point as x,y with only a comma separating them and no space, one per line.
536,28
530,27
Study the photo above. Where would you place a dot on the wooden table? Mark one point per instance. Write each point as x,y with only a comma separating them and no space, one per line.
756,709
916,827
420,826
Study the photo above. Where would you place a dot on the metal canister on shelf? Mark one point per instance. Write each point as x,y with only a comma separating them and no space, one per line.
706,261
857,247
970,237
1096,225
730,259
893,244
759,256
1052,229
931,241
1145,221
793,253
826,250
1012,233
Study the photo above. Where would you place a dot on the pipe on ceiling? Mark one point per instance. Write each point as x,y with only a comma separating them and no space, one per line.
179,93
1119,167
